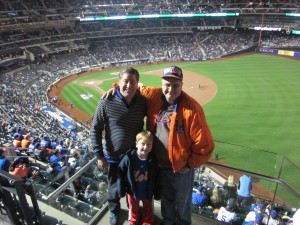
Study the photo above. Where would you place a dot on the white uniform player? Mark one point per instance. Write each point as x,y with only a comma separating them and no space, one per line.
226,214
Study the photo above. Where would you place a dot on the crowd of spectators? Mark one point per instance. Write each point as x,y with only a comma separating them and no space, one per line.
221,201
202,45
189,39
272,40
57,10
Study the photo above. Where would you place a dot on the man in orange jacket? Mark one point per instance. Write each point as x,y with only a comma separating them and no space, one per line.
183,142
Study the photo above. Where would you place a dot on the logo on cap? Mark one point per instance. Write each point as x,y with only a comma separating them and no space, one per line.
173,71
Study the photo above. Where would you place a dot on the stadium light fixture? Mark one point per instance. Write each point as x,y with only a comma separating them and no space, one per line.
177,15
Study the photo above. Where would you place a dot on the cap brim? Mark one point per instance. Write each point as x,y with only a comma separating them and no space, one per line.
171,76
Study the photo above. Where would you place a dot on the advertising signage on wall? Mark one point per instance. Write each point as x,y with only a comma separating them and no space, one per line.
267,50
279,52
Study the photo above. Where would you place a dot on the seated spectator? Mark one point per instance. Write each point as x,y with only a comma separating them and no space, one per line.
74,136
4,162
254,211
79,187
257,221
216,199
54,142
77,150
229,188
46,144
295,220
244,190
26,141
31,145
199,198
227,214
84,159
39,153
260,209
208,183
271,217
4,126
55,158
73,161
18,169
251,214
62,165
19,133
62,148
98,196
17,140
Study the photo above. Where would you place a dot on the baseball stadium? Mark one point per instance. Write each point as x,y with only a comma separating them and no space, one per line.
240,61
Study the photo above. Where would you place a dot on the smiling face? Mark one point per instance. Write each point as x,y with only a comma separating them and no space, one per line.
144,146
128,84
171,88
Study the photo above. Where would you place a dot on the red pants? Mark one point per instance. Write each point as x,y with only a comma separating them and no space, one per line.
134,210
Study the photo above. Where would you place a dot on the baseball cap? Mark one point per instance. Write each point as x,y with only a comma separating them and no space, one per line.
260,207
37,145
174,72
18,159
201,188
252,207
273,214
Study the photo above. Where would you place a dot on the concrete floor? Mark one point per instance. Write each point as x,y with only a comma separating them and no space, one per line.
196,220
53,215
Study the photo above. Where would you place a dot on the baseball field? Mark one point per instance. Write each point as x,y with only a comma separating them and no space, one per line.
251,103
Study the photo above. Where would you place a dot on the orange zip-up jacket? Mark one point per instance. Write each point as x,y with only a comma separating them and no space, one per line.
190,140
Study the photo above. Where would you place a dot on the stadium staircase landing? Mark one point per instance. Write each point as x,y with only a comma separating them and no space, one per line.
196,219
52,215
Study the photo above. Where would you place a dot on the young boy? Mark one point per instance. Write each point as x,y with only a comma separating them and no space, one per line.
137,172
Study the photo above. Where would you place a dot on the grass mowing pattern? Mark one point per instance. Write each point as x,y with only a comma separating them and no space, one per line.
257,105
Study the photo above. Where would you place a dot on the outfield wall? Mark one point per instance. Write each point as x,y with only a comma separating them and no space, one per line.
243,51
279,52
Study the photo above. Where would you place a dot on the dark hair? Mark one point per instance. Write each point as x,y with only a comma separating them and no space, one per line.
56,151
14,164
130,70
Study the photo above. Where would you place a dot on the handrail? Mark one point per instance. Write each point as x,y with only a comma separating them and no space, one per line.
71,179
256,175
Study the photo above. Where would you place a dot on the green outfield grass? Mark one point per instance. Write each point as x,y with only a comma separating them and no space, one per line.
254,117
